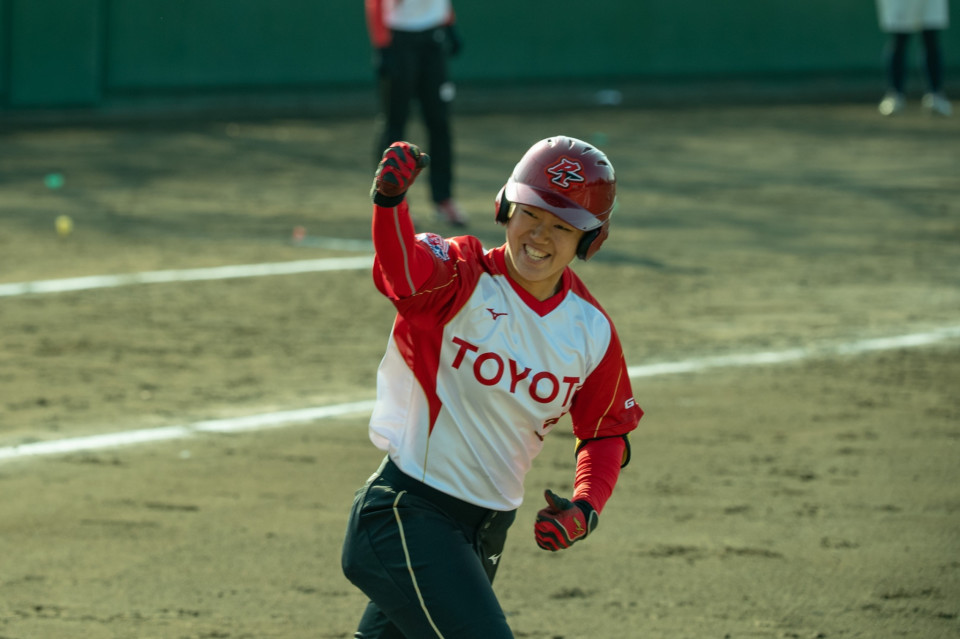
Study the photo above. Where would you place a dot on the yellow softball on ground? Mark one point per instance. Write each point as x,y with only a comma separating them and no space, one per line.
64,225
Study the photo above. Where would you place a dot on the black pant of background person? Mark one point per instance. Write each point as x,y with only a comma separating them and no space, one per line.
414,69
897,61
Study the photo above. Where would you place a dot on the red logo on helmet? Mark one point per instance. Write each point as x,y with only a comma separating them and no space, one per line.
566,171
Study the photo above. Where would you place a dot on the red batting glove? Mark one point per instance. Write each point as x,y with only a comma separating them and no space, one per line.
399,167
563,522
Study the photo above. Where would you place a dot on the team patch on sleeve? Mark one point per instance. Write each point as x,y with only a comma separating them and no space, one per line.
439,246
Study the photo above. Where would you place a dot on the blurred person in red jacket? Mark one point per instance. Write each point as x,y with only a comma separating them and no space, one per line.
413,41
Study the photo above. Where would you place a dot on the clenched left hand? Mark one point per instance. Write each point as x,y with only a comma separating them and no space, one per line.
563,522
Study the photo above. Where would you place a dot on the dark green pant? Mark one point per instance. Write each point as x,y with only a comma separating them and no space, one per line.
426,561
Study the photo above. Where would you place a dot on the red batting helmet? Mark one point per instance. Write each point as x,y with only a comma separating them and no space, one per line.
569,178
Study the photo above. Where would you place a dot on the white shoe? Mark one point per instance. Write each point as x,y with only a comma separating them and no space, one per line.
892,103
937,104
449,212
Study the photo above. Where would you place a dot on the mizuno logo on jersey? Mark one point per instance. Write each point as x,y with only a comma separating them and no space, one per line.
495,314
439,246
490,368
566,171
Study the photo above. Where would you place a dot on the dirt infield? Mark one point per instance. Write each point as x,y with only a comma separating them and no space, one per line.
814,498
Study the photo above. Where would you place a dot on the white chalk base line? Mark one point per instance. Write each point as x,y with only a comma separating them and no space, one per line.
284,418
185,275
912,340
230,425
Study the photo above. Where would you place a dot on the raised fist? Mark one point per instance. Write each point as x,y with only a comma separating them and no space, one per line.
399,167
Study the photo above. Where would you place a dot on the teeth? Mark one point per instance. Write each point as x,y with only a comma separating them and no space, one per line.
534,253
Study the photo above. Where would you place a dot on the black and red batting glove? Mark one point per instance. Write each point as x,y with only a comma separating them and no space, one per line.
563,522
399,167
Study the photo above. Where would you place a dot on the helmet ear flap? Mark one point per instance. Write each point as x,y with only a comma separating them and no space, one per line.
591,241
502,206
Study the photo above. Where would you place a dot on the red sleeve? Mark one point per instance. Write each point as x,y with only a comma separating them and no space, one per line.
402,264
379,33
604,406
598,467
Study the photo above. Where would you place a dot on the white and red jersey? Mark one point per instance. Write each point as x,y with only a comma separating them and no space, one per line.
384,16
911,16
477,371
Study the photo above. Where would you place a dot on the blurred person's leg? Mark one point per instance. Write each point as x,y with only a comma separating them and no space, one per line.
897,62
934,100
397,83
436,93
896,67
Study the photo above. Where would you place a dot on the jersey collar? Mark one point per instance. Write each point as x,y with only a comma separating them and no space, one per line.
540,307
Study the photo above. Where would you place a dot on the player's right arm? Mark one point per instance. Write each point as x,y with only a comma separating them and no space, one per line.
402,263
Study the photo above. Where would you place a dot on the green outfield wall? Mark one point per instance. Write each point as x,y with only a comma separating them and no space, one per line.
94,53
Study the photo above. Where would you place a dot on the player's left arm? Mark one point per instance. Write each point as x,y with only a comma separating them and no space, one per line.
603,416
564,522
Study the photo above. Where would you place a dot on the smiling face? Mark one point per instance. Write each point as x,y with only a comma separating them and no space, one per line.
540,245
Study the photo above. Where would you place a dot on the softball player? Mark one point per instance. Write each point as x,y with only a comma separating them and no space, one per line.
413,40
489,349
900,19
